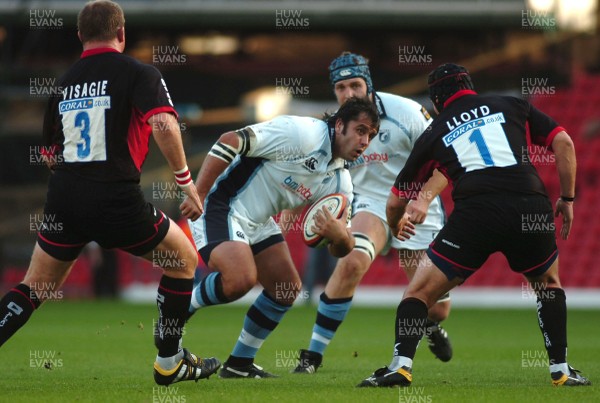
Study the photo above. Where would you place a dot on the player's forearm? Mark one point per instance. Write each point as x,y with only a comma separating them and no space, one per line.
343,245
208,174
166,133
394,209
433,187
216,162
566,163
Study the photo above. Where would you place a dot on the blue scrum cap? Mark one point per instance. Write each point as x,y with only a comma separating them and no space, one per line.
350,65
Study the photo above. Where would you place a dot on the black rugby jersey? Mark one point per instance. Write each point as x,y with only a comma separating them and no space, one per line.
98,128
480,143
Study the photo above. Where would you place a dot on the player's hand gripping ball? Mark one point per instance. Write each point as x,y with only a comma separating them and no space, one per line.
336,204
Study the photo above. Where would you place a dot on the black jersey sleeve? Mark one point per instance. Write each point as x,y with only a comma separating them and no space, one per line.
417,170
150,93
542,128
52,135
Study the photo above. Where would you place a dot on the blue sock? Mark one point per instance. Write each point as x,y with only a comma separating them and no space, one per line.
262,318
330,314
208,292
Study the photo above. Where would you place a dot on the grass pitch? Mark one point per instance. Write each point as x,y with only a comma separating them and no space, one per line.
92,351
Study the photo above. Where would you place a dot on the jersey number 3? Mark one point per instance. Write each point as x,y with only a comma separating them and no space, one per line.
84,127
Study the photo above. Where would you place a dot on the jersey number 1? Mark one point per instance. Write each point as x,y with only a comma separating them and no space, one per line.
477,138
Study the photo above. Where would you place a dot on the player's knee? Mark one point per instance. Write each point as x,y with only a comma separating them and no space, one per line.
238,285
191,260
183,261
353,269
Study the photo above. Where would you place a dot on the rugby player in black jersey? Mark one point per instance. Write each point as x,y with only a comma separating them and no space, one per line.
98,134
480,143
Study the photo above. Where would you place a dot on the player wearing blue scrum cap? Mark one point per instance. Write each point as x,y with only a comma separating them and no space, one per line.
373,174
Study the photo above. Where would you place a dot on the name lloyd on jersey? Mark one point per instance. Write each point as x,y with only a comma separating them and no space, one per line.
298,188
468,116
470,126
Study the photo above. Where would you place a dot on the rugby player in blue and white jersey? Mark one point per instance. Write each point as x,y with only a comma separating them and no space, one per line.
373,173
248,177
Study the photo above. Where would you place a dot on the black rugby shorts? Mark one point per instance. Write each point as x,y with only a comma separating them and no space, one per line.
115,215
520,226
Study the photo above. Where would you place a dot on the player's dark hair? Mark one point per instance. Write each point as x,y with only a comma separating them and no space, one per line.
445,81
351,110
100,21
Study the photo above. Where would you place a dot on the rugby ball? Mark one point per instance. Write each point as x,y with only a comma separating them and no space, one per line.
336,204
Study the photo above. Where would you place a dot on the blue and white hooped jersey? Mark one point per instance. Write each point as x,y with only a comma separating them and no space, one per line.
285,163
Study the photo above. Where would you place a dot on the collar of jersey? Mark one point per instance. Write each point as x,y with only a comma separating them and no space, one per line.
331,132
379,105
97,51
457,95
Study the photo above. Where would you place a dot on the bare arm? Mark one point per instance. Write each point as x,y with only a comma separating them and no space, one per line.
209,172
397,218
166,133
343,245
417,209
566,165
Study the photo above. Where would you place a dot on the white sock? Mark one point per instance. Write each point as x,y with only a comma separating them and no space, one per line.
564,368
168,363
399,362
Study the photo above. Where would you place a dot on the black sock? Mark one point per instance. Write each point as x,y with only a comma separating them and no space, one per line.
234,361
411,318
173,301
15,310
552,318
